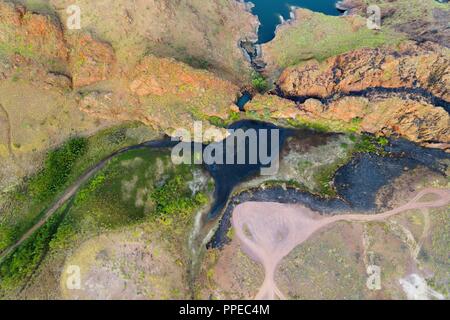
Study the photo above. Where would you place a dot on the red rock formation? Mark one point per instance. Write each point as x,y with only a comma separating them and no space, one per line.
410,66
415,120
90,60
30,35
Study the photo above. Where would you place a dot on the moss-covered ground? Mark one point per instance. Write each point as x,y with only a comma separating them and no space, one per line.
140,186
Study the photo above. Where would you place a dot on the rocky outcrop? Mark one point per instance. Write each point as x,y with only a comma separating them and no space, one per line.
425,66
165,94
160,92
30,35
272,107
316,36
28,38
110,106
90,60
203,34
397,115
383,91
415,120
164,76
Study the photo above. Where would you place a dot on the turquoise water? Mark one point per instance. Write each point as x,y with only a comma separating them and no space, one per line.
269,12
243,100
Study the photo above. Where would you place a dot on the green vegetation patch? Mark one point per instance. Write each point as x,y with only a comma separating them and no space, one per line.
311,125
137,187
318,36
367,143
57,168
259,82
174,198
61,167
19,46
20,265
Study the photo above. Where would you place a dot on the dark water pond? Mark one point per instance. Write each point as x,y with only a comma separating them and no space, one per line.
243,100
271,13
356,183
228,176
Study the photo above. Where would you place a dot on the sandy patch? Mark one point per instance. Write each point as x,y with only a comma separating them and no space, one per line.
270,231
128,265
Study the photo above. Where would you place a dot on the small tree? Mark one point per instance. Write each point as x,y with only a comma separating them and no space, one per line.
259,82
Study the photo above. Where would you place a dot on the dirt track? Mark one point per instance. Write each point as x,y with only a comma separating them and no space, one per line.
269,231
63,198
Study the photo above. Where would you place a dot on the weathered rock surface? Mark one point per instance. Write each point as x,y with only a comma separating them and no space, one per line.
39,111
416,69
272,106
425,66
165,94
30,35
203,34
90,60
396,115
160,92
416,120
162,76
29,38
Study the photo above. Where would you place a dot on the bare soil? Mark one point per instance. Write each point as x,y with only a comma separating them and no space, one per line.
270,231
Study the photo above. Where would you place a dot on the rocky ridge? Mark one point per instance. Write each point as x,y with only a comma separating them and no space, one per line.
400,91
412,66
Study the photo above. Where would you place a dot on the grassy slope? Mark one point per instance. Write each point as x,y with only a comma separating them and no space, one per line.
23,207
137,187
159,27
407,10
318,36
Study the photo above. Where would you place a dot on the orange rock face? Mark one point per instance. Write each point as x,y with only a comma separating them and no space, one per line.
418,71
36,38
415,120
165,94
411,66
31,35
90,61
162,76
160,92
